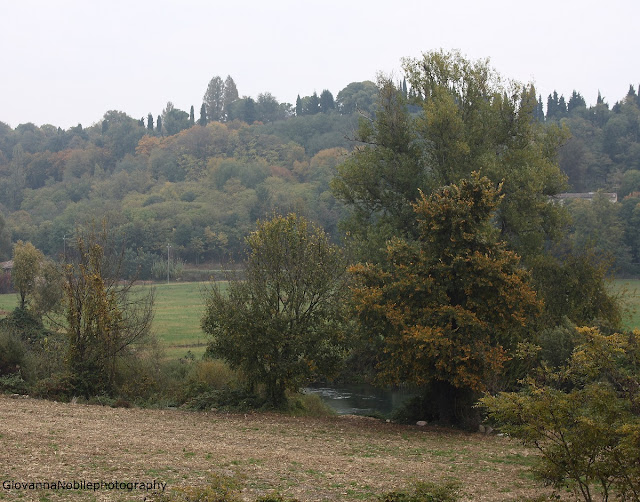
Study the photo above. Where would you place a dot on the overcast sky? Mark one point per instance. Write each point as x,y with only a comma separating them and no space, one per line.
65,62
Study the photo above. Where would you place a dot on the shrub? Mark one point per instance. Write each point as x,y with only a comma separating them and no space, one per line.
426,492
584,417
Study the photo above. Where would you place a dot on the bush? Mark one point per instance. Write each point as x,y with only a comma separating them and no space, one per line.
219,489
584,417
310,405
426,492
13,384
12,353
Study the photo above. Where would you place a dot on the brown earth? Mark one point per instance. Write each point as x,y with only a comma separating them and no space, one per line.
313,459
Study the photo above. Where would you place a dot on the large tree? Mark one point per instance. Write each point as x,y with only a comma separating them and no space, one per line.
219,96
448,310
467,121
284,323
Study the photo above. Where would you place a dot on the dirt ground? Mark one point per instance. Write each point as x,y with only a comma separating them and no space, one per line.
341,458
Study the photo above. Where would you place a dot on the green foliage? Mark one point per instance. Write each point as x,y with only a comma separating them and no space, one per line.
26,268
220,489
12,352
584,418
450,308
467,122
284,324
159,269
575,286
103,321
426,492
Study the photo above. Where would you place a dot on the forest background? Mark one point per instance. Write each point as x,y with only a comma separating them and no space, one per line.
193,183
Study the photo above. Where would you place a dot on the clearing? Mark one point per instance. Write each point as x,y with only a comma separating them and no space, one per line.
313,459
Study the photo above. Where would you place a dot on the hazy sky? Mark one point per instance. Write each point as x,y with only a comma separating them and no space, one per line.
66,62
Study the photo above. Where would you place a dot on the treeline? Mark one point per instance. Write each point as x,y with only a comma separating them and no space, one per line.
198,182
195,185
602,153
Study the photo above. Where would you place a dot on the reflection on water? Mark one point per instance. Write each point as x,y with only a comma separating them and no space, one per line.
361,399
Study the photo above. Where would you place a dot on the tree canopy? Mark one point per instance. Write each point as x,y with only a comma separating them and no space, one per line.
284,323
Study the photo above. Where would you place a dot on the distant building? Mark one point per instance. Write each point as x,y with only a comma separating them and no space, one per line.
561,198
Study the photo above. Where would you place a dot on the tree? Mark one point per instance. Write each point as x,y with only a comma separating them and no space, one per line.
358,97
326,101
230,94
219,97
36,279
311,104
299,110
214,99
202,121
448,310
469,122
27,262
192,118
284,324
584,418
104,319
150,122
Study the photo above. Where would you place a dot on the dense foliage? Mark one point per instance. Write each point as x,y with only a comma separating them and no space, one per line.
448,310
284,323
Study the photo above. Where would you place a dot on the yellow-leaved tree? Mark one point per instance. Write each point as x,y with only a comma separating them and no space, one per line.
448,309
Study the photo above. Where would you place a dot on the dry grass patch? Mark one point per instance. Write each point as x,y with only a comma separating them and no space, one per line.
339,458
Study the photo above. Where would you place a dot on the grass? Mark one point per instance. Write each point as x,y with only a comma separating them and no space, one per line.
178,310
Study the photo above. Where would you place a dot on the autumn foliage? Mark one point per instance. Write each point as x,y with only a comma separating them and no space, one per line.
452,306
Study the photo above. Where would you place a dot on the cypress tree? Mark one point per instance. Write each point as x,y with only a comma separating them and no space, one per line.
203,115
299,110
150,122
192,119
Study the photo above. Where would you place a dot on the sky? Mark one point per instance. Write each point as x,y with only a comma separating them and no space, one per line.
65,62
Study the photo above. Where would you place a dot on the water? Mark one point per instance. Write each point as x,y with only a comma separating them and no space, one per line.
361,399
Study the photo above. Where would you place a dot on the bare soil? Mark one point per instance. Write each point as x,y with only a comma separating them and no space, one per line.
340,458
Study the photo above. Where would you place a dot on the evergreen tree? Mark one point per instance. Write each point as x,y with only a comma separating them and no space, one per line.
552,106
203,115
249,110
230,95
159,124
312,104
299,110
539,113
150,122
562,107
214,99
576,101
192,119
326,101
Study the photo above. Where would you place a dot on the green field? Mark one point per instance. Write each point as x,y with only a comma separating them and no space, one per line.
179,307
